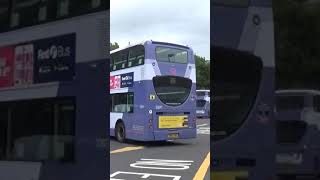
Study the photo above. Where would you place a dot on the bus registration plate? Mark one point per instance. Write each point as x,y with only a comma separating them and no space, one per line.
173,136
173,122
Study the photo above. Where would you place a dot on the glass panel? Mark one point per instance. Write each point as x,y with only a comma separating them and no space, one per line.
136,56
32,131
172,90
42,130
130,102
122,102
289,102
201,93
63,8
4,15
119,103
26,13
290,131
79,7
236,3
64,146
316,103
3,131
201,103
48,10
237,78
119,59
172,55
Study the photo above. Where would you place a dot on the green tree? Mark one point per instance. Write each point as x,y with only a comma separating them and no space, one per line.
114,46
297,34
202,72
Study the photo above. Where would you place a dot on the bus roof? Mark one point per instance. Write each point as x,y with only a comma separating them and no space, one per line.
149,42
298,91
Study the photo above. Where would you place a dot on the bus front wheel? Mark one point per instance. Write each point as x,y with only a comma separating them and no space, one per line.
120,132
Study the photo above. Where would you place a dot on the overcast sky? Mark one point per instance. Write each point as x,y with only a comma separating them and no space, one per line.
185,22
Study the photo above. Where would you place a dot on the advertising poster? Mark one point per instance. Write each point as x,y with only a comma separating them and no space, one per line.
23,64
115,82
55,59
127,80
6,66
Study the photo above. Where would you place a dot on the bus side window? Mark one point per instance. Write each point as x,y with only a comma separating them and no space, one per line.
136,56
130,103
117,58
124,59
119,102
316,103
111,62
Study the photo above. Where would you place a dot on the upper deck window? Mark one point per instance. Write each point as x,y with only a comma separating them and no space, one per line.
25,13
126,58
316,103
236,3
119,60
136,56
21,13
4,14
78,7
172,55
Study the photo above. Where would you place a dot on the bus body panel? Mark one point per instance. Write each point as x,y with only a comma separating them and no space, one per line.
203,103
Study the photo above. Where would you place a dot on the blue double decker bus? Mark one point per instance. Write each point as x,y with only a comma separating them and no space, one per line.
243,127
153,92
203,103
297,117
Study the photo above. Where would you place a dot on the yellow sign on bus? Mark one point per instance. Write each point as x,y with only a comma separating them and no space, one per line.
173,121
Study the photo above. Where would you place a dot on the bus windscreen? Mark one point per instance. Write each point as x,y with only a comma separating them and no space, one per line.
172,90
237,79
173,55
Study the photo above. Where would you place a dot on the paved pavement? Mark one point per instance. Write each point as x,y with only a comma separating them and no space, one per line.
176,160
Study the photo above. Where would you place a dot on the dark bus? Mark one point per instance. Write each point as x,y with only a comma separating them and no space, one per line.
243,126
53,89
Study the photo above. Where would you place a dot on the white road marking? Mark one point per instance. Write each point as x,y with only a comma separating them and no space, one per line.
162,164
200,125
143,175
203,130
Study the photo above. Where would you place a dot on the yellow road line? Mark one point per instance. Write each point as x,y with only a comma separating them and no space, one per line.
125,149
203,168
229,175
